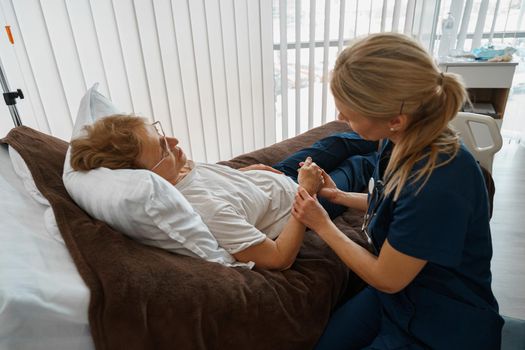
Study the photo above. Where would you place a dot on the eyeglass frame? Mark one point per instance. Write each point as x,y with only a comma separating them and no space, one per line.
166,151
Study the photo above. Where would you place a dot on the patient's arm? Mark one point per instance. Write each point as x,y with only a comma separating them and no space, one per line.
281,253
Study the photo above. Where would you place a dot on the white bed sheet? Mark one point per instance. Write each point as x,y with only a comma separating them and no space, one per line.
43,300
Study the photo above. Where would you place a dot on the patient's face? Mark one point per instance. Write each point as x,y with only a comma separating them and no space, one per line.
166,161
367,128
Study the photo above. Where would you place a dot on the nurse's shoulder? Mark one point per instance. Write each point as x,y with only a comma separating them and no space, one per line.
461,176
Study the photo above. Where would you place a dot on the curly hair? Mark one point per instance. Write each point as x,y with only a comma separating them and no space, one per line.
112,142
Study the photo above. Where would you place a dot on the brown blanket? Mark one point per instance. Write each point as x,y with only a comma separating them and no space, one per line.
146,298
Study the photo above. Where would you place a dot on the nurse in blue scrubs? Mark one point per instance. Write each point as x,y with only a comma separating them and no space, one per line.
426,210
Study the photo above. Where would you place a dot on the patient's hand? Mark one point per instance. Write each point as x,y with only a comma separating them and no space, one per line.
310,176
260,167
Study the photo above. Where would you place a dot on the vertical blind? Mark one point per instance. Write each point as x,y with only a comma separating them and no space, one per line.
204,68
310,34
224,76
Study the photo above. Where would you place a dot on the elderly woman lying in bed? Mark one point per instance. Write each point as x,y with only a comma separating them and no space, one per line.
247,210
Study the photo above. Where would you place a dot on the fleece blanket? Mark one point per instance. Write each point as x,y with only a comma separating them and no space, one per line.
146,298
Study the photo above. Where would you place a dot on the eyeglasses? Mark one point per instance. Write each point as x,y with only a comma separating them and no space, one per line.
163,144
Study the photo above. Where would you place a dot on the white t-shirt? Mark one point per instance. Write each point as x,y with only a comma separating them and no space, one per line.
241,209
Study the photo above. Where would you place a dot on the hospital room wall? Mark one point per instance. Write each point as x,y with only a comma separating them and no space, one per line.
203,68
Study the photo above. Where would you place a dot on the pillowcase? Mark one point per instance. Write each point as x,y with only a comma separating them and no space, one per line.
139,203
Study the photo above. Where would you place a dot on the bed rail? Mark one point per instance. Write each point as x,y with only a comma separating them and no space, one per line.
463,123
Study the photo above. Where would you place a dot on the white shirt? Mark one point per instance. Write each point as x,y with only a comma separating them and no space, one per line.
241,209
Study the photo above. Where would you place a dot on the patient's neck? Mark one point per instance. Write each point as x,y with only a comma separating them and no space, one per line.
186,169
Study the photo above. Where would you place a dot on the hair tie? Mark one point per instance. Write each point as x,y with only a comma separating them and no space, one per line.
441,78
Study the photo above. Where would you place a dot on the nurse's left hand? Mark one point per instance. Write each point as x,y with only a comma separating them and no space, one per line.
260,167
309,211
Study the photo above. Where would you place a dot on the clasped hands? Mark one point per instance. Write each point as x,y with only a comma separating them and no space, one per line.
311,177
313,181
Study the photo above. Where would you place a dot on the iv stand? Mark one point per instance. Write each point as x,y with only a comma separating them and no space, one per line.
10,97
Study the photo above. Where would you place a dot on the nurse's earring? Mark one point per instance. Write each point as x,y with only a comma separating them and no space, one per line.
392,129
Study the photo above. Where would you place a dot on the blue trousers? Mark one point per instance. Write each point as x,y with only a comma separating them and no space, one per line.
355,324
346,157
361,324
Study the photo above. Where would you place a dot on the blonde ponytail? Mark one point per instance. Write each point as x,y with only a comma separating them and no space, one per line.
384,75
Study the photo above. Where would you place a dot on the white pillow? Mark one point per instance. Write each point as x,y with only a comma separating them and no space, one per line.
139,203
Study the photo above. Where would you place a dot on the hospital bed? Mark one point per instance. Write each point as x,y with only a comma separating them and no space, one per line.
48,302
117,293
465,124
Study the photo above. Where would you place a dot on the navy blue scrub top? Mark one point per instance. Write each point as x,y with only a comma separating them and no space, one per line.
449,305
